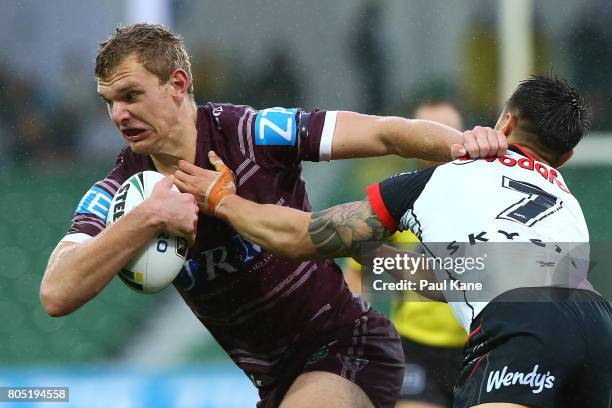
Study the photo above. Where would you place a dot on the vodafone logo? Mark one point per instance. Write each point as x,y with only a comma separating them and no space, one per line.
528,163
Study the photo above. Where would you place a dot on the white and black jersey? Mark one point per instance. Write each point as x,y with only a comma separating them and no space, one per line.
537,337
512,199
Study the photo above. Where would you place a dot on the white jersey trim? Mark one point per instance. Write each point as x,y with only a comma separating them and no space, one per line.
327,136
78,238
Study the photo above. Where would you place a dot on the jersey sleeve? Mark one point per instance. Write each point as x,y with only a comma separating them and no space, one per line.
90,216
278,137
394,198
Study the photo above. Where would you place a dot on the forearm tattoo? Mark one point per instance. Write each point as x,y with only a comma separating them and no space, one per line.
340,231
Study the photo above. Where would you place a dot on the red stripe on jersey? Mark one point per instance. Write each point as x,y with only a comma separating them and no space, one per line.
379,207
476,367
526,152
476,330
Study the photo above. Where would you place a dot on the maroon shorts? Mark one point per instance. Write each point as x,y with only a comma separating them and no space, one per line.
368,352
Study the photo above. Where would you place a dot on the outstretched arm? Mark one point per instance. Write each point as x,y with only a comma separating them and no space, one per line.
358,135
333,233
336,232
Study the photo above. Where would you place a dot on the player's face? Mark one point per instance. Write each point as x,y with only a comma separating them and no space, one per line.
143,109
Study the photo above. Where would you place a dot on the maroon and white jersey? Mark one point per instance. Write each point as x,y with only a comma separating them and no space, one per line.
259,307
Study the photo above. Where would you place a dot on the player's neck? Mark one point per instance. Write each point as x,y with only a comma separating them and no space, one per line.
526,147
181,143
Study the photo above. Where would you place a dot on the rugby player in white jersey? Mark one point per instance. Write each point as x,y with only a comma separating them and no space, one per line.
548,345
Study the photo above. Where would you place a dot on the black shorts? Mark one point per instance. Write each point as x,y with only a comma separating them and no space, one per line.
543,347
367,352
430,372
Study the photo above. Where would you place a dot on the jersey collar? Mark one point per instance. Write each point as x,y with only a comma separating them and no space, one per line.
516,148
522,151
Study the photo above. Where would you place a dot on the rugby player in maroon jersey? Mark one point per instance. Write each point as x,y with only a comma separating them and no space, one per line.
293,327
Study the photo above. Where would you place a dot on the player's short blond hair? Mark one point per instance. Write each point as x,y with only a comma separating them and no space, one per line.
157,48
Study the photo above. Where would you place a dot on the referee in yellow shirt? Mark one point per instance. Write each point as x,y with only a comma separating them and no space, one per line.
432,339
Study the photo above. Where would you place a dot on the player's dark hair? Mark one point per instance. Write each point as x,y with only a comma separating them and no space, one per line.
551,110
157,48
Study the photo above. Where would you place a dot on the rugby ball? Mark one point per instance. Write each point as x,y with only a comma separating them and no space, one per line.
157,264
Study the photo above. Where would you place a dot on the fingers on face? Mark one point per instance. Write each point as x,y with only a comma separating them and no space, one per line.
182,186
184,166
189,168
183,177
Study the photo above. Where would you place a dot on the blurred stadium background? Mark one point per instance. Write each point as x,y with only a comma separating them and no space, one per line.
127,350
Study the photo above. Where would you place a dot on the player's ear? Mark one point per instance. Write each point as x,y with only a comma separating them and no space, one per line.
179,80
508,123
